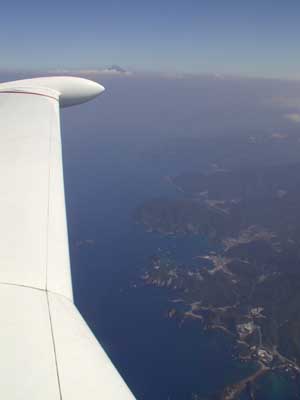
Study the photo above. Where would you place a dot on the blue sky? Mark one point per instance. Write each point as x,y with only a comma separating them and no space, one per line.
257,38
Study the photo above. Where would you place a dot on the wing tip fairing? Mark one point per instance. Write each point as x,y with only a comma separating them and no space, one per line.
68,90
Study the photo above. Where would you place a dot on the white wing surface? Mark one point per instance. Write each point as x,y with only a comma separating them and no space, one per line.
46,349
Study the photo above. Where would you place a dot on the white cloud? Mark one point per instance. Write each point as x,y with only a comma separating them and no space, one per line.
294,117
279,136
113,70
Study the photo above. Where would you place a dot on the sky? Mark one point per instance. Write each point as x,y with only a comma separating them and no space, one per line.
257,38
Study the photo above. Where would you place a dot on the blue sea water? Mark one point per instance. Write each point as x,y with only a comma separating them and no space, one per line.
115,157
279,386
106,178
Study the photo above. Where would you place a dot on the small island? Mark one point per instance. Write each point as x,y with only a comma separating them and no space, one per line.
249,288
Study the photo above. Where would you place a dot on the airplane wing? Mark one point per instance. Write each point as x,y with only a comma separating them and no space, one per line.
47,350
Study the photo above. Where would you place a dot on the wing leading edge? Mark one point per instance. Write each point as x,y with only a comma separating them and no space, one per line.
47,350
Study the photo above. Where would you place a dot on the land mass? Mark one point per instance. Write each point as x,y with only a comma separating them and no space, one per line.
250,287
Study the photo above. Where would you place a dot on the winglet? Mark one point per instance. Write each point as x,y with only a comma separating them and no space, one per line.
68,90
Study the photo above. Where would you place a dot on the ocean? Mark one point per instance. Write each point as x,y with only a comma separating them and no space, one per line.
116,156
106,178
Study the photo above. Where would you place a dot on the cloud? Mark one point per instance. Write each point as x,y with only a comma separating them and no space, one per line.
115,70
185,75
290,106
279,136
294,117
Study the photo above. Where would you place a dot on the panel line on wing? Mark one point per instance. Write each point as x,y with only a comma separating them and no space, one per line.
48,201
54,347
32,93
35,288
